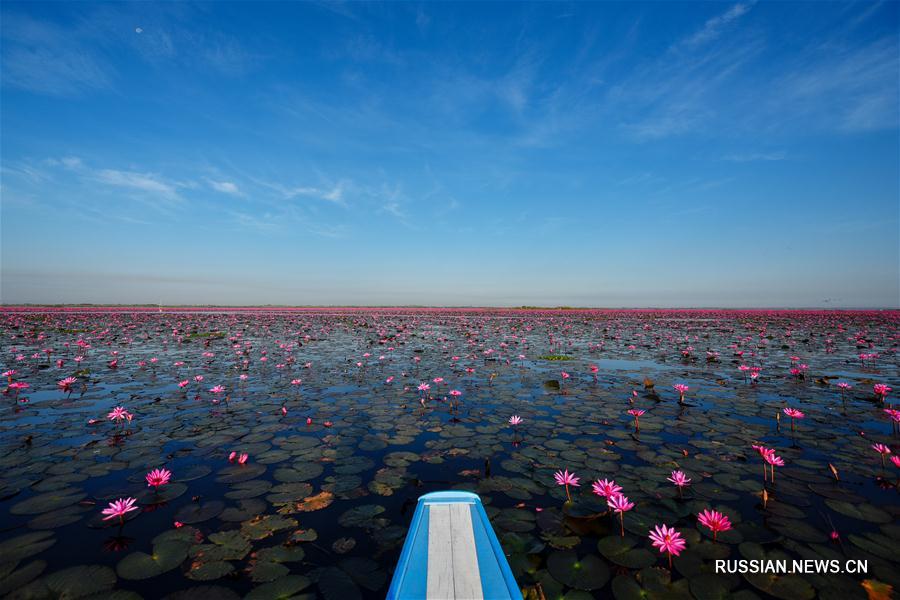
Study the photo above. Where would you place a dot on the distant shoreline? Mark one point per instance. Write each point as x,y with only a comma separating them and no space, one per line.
418,308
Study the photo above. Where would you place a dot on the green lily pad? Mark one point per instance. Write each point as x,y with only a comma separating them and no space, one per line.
21,576
363,516
204,592
336,584
46,502
165,557
281,589
588,573
79,581
862,512
263,527
23,546
263,571
365,572
622,552
198,512
207,571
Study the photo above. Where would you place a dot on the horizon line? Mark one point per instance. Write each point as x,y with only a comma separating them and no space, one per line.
524,307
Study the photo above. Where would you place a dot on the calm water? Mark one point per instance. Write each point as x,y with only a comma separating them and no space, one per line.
321,509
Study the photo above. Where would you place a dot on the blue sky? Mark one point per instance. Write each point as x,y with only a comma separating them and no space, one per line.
605,154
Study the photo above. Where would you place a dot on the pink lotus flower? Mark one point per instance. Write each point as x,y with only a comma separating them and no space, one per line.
158,477
793,413
66,383
682,389
667,540
606,488
217,389
881,390
515,420
619,504
565,478
636,413
715,521
118,414
680,480
240,458
883,450
119,508
768,455
183,384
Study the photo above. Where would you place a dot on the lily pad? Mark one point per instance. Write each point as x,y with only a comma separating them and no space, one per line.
165,557
281,589
587,573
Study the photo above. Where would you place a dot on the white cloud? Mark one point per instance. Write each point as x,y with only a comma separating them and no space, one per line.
226,187
714,26
756,156
334,194
144,182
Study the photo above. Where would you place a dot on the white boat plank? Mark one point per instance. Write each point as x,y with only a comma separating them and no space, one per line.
466,576
439,578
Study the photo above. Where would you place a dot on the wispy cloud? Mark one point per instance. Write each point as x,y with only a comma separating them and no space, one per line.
715,26
226,187
756,156
44,58
143,182
853,88
265,223
78,55
333,194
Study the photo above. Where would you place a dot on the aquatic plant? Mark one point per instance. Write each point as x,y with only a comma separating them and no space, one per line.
565,478
119,508
636,413
714,521
158,477
619,504
680,480
793,413
667,540
606,488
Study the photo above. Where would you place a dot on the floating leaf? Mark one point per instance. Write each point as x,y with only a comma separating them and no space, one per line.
79,581
588,573
622,552
863,512
43,503
199,511
335,584
317,502
282,589
165,557
206,571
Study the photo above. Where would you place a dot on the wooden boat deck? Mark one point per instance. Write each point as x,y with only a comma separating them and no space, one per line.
452,553
452,565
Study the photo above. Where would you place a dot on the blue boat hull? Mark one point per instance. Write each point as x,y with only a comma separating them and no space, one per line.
462,560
